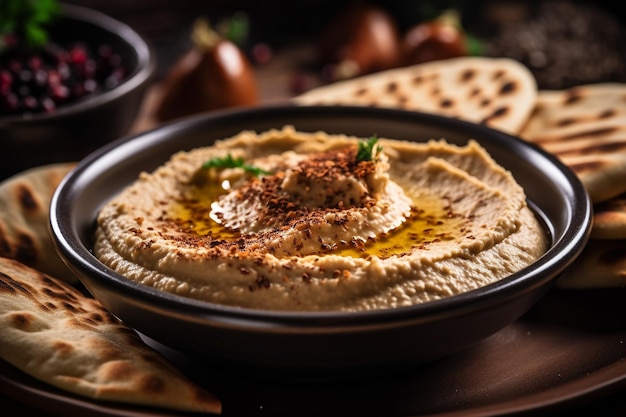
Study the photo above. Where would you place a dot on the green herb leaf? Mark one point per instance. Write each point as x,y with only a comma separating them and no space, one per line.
475,46
367,148
27,19
236,28
229,162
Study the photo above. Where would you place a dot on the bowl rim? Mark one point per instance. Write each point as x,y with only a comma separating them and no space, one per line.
143,71
69,244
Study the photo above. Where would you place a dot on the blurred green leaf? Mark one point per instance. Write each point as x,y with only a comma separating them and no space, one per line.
236,28
27,19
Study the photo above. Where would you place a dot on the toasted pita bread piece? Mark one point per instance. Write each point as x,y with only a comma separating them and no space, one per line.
585,127
609,220
498,92
602,264
24,219
50,330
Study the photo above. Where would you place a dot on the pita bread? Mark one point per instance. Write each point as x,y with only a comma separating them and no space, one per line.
24,219
609,221
497,92
53,332
585,127
602,264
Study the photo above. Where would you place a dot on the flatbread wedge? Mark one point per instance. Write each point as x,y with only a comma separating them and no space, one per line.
497,92
50,330
609,220
585,127
24,219
602,264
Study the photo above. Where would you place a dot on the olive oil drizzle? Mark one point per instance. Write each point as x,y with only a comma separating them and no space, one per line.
431,221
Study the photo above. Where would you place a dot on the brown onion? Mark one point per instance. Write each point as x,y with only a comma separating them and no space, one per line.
432,40
214,74
361,39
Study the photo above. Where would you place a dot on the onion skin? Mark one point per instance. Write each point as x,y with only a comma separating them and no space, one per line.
361,39
211,76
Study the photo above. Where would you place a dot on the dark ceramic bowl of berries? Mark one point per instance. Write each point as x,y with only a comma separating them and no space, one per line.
67,86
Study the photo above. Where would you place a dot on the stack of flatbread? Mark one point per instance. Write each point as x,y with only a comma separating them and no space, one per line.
585,127
52,331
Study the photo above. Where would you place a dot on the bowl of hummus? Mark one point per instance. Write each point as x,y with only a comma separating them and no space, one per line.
319,240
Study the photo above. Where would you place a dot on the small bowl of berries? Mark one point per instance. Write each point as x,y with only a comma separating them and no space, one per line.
71,80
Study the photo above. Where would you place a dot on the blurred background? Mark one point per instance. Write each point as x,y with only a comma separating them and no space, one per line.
586,37
295,46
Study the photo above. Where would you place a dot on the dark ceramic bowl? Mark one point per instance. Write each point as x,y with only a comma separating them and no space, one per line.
74,130
318,343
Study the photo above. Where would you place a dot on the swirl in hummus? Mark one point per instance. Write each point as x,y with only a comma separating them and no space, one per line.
321,229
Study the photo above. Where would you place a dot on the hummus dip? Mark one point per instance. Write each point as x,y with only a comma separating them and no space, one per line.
287,220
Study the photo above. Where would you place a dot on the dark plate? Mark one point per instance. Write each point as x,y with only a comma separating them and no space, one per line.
566,354
307,344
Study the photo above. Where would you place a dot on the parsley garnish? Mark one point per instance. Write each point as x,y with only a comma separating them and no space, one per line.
229,162
27,20
367,148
